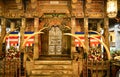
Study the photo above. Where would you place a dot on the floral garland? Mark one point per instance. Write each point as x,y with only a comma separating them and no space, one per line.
95,54
12,53
115,54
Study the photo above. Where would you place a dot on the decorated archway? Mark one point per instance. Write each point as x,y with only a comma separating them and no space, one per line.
53,42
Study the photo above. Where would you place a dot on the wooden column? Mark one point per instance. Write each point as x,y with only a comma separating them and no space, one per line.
86,44
22,30
73,24
3,33
106,34
86,34
36,51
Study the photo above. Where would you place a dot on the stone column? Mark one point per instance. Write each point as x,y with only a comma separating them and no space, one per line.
3,33
12,26
73,24
106,35
36,51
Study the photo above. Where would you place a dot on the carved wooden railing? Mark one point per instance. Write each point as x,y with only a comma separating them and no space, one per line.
98,68
10,68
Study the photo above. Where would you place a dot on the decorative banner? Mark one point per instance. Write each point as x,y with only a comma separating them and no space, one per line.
81,36
92,41
13,39
30,42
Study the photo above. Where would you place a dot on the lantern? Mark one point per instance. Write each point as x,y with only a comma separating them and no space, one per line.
112,8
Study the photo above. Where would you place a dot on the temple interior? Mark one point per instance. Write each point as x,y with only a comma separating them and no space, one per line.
59,38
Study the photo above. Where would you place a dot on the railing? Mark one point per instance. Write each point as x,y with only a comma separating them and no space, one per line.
10,68
98,68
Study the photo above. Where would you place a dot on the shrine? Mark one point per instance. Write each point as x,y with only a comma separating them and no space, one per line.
64,38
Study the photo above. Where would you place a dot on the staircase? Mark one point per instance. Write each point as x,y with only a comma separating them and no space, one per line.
50,68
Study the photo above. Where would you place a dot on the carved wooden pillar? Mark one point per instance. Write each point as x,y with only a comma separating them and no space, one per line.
36,51
22,30
3,32
86,34
86,43
12,26
106,34
73,24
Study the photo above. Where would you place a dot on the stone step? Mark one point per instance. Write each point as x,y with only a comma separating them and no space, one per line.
55,57
51,72
48,66
52,76
58,62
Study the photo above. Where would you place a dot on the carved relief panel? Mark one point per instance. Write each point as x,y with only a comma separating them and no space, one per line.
55,41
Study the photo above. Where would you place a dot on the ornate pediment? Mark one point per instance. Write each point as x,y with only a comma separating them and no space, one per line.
56,20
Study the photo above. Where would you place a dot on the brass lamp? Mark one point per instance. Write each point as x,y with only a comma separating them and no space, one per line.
112,8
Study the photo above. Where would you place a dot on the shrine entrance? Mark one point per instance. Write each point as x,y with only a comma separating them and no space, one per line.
53,42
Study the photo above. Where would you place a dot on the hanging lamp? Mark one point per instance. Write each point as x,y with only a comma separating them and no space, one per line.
112,8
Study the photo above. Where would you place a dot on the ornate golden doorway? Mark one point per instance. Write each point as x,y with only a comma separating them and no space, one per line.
55,41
